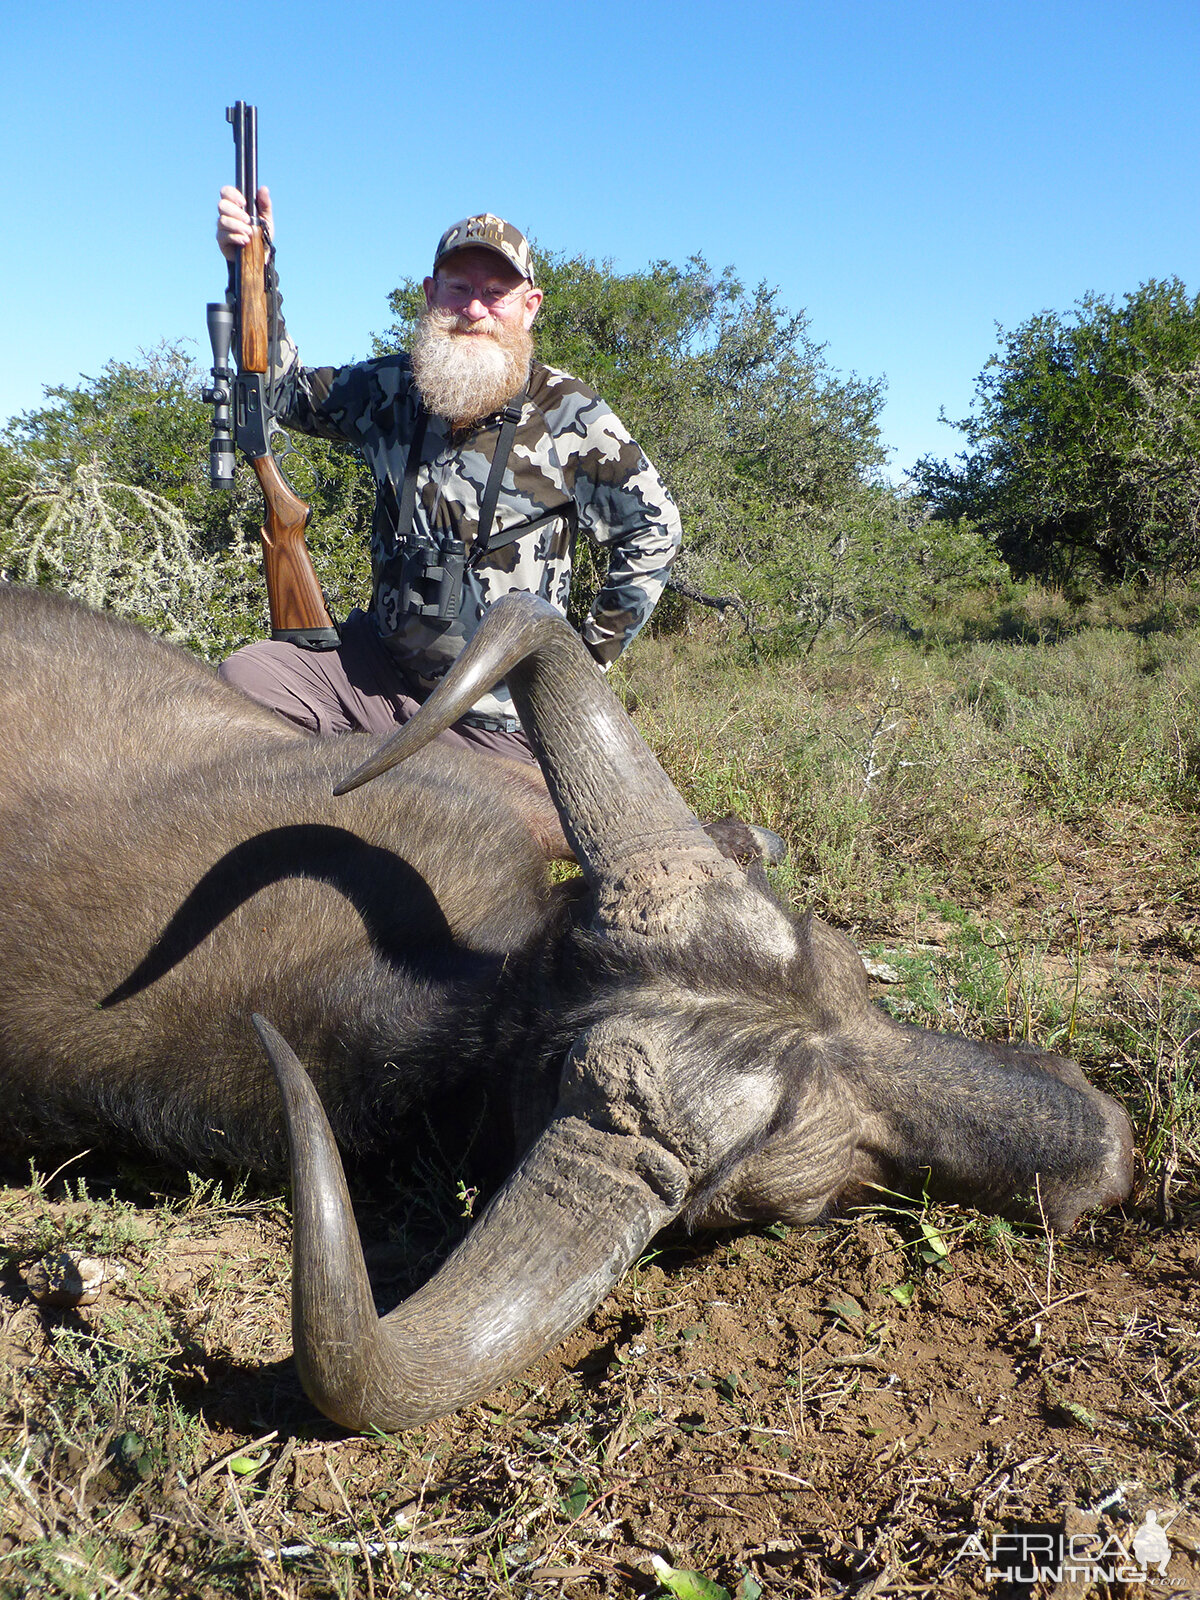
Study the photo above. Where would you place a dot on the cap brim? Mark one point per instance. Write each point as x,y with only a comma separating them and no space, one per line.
478,244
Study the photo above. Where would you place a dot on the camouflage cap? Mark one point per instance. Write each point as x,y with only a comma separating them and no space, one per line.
486,232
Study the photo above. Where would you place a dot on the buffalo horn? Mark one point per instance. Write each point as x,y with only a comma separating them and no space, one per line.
620,812
563,1231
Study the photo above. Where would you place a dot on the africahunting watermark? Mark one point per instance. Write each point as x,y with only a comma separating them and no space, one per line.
1050,1557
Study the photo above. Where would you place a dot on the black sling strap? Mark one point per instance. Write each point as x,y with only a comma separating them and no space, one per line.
408,489
491,491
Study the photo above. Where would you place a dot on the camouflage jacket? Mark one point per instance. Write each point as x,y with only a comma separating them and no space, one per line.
572,466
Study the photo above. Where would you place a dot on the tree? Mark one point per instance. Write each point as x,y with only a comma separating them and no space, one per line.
773,457
1084,455
761,444
118,545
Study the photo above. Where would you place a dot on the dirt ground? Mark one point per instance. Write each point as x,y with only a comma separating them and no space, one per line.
896,1402
887,1404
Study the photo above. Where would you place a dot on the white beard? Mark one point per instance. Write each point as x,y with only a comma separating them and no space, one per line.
466,376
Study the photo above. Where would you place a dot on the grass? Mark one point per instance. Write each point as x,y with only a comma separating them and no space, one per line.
902,770
1004,810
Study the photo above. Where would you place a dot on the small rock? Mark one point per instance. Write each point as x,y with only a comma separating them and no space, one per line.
880,970
69,1278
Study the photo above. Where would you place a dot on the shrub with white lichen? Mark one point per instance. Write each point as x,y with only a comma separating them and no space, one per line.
126,548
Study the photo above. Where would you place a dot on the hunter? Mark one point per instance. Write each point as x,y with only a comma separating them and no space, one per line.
487,463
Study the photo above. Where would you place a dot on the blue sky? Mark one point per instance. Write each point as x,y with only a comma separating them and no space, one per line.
910,174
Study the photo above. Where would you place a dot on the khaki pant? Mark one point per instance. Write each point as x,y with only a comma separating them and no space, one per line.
355,688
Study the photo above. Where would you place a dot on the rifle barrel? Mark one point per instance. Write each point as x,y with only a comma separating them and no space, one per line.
250,142
245,144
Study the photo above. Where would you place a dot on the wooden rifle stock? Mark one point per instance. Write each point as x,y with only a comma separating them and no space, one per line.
252,303
293,591
298,610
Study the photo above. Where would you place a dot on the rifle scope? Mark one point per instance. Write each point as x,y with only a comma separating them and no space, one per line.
221,458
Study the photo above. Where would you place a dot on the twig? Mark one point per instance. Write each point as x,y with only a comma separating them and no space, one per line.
353,1521
1166,1210
1051,1305
716,602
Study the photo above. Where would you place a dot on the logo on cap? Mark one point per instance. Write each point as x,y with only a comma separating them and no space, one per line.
486,232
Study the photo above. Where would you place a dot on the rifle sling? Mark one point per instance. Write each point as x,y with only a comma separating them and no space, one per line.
491,492
497,541
408,489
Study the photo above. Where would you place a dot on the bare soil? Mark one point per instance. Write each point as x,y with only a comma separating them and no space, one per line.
820,1413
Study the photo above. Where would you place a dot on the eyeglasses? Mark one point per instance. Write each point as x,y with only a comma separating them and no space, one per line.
458,292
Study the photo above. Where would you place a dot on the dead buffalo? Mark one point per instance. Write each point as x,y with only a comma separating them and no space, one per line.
659,1042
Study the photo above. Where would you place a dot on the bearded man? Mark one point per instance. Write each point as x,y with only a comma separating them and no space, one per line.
487,463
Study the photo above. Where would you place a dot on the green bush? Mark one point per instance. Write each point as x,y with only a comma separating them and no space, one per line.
1083,459
104,493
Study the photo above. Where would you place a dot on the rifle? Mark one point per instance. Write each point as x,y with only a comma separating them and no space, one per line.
247,316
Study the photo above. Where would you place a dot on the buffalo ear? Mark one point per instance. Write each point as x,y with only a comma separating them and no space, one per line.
750,846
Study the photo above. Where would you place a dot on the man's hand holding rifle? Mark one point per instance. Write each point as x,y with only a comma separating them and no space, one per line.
234,226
